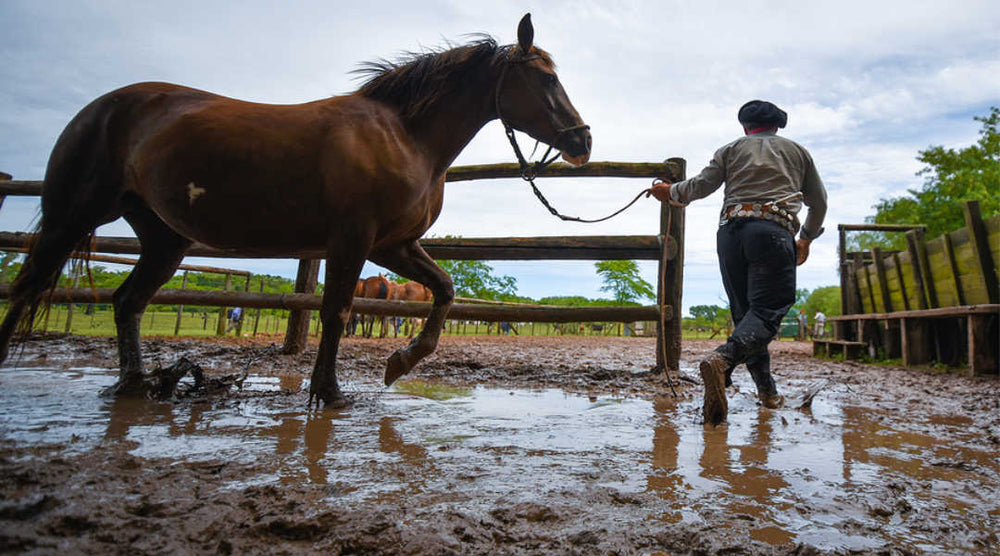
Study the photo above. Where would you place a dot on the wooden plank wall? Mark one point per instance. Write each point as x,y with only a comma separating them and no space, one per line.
893,282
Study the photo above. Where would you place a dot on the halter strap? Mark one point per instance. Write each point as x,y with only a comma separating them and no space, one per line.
529,170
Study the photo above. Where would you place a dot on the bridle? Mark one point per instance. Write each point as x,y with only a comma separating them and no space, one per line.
529,170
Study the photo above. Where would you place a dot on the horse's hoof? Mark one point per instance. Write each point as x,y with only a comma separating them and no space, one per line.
331,400
396,367
339,402
128,388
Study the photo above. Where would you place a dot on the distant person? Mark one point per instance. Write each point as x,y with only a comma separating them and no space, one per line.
820,324
768,178
235,314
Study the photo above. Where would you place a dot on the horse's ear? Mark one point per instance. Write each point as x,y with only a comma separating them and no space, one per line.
525,33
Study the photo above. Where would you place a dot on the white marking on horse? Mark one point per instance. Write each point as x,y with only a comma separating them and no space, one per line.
194,192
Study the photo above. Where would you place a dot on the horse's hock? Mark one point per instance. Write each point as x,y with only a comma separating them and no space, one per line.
666,247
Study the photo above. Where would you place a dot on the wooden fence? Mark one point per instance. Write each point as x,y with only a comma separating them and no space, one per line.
649,247
936,300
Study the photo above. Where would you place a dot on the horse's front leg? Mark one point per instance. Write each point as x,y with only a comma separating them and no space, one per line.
343,266
410,260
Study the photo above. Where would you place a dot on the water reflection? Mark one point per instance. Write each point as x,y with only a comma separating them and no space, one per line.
785,477
319,428
730,474
391,442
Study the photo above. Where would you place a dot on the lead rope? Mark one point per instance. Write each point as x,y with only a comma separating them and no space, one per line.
529,171
663,288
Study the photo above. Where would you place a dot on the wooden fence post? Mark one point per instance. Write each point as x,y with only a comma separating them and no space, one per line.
979,239
902,283
952,266
871,289
297,333
243,313
256,320
883,282
180,308
220,327
668,334
845,272
69,307
4,176
983,350
921,269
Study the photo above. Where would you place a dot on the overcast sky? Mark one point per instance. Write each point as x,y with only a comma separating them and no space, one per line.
866,84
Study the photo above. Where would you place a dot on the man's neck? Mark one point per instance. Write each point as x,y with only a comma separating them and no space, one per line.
756,130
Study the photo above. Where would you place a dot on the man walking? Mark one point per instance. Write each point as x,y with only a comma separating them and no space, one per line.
820,319
768,178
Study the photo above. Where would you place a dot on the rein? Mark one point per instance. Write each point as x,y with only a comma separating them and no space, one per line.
529,171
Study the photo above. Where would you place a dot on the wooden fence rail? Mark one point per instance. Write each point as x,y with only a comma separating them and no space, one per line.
599,248
380,307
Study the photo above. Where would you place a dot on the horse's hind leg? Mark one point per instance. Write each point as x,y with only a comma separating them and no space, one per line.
411,261
161,253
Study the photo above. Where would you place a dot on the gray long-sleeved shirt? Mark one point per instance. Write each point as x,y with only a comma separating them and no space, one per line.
760,168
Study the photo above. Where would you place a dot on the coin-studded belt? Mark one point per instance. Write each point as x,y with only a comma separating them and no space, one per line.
765,211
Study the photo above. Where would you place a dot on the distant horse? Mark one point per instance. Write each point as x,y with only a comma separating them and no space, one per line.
373,287
411,291
360,176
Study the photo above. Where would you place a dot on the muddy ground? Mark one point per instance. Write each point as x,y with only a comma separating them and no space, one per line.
495,445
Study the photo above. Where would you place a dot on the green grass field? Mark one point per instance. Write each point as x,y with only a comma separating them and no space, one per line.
162,323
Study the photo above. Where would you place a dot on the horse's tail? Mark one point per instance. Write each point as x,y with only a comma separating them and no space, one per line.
32,291
81,190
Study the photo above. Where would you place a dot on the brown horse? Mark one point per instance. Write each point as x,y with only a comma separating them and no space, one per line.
373,287
360,176
410,291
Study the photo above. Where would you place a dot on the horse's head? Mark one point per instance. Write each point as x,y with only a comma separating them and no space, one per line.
531,99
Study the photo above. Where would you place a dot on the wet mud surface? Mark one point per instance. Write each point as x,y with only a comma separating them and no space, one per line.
495,445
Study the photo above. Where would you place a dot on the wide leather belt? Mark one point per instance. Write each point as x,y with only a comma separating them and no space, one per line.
765,211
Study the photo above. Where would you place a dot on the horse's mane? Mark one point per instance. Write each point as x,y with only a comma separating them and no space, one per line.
417,80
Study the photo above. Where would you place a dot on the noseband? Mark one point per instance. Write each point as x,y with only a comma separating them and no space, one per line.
530,170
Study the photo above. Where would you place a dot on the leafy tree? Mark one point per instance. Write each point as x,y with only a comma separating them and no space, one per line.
707,312
9,268
622,279
950,177
709,316
575,301
825,299
476,279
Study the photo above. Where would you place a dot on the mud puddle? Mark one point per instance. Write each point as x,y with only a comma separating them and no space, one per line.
539,469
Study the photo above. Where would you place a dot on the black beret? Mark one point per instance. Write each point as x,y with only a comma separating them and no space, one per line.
761,112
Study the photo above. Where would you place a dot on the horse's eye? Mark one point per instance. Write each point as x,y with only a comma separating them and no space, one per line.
551,80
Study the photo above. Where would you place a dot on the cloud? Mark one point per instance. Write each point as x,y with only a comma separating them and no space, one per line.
867,85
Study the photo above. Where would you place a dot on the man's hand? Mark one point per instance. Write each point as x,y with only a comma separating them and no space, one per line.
802,247
661,190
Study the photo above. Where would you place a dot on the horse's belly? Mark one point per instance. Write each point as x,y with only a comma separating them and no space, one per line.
247,222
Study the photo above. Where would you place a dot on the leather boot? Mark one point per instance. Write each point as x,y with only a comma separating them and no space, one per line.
715,408
772,401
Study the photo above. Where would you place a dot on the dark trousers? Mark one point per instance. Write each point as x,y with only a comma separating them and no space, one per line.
757,260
